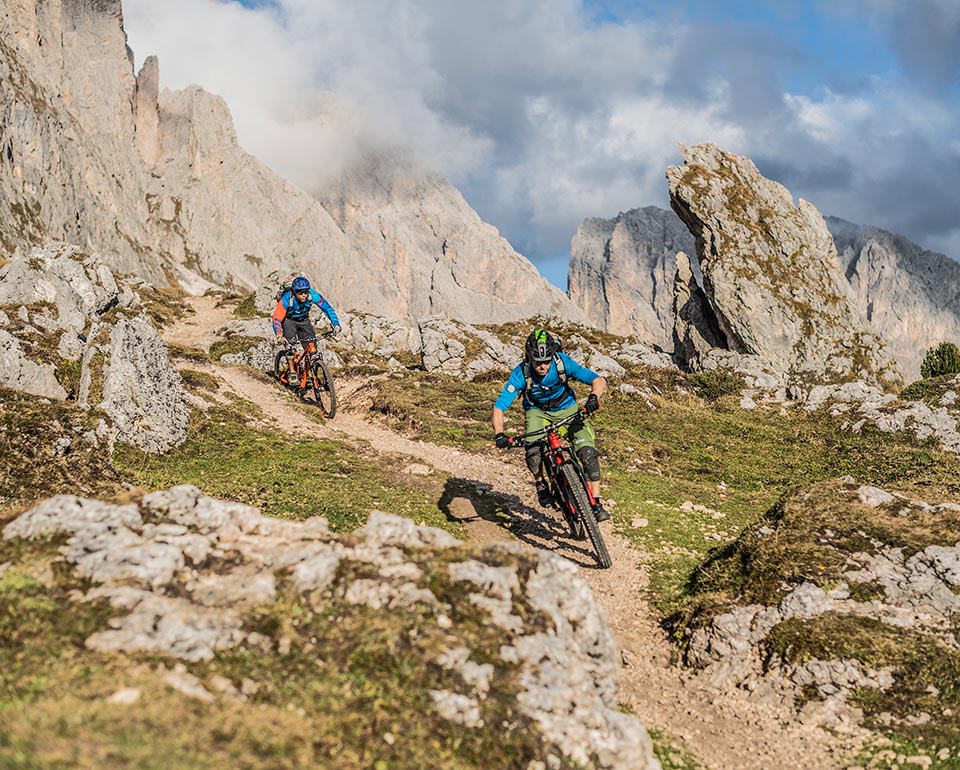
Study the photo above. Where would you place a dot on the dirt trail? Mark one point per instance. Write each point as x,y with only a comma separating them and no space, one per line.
722,728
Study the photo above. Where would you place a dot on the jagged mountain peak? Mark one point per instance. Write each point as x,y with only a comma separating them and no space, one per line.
156,182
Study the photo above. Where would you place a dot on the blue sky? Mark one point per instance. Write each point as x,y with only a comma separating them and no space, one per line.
546,112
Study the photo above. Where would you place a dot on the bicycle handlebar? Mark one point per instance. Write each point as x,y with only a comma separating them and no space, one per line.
522,440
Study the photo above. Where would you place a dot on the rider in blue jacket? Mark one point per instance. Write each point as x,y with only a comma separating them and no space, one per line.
548,398
291,316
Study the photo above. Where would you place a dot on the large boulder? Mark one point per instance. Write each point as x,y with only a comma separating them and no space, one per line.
771,273
141,392
62,305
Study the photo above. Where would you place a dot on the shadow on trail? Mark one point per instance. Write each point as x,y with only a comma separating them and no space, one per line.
471,502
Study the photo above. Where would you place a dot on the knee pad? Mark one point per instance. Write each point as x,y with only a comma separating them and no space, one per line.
590,461
534,459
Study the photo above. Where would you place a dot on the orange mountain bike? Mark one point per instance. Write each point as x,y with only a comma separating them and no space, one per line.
311,376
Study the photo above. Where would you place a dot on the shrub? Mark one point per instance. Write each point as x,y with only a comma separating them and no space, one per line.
713,384
943,359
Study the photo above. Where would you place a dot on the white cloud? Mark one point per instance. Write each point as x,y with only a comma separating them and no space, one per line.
541,116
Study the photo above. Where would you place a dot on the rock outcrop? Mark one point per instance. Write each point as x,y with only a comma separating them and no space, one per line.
695,330
155,182
826,583
62,311
910,295
771,273
185,573
622,272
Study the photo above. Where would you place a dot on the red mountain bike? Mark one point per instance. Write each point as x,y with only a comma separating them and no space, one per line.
567,483
311,375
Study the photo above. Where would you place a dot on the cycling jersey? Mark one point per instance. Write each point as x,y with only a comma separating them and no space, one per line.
547,392
290,307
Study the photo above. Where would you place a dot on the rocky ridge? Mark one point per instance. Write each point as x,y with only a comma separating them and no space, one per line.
869,585
183,571
622,272
911,296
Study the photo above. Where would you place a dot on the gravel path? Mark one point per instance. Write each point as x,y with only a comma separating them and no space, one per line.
722,728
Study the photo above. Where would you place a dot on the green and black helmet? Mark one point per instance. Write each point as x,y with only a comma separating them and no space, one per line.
541,346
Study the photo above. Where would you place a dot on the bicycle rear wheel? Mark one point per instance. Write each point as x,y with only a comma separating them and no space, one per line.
574,487
281,365
323,389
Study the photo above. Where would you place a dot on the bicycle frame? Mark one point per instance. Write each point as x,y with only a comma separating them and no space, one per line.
310,370
302,360
558,451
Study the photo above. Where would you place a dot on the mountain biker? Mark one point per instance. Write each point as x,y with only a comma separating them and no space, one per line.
291,316
548,398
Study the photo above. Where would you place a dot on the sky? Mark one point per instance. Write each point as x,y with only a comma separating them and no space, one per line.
546,112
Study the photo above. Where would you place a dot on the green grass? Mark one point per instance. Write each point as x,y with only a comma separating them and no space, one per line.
738,464
930,390
285,476
670,753
246,310
918,660
445,410
234,344
46,448
164,304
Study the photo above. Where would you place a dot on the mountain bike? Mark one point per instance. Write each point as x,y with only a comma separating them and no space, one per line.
312,376
568,485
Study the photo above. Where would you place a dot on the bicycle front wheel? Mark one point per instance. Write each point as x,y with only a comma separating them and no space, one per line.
323,389
281,364
578,495
567,504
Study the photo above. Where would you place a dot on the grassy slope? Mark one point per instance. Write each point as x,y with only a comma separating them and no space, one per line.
689,476
335,685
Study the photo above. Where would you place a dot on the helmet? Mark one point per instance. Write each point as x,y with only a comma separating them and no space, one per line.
541,346
300,284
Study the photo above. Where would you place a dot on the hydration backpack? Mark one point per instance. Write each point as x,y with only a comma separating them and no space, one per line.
284,287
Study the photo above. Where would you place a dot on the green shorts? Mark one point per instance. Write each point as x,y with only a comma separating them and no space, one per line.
580,431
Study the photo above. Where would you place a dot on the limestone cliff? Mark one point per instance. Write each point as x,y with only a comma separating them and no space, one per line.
910,295
771,273
430,252
622,272
94,155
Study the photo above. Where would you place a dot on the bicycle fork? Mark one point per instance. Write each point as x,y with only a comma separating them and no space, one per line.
556,457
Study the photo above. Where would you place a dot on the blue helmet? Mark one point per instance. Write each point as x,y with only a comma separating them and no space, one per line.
300,284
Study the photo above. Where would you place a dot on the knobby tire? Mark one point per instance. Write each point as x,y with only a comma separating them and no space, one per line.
323,389
574,487
568,505
280,363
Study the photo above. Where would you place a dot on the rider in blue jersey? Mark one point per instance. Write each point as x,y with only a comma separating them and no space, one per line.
291,316
548,398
